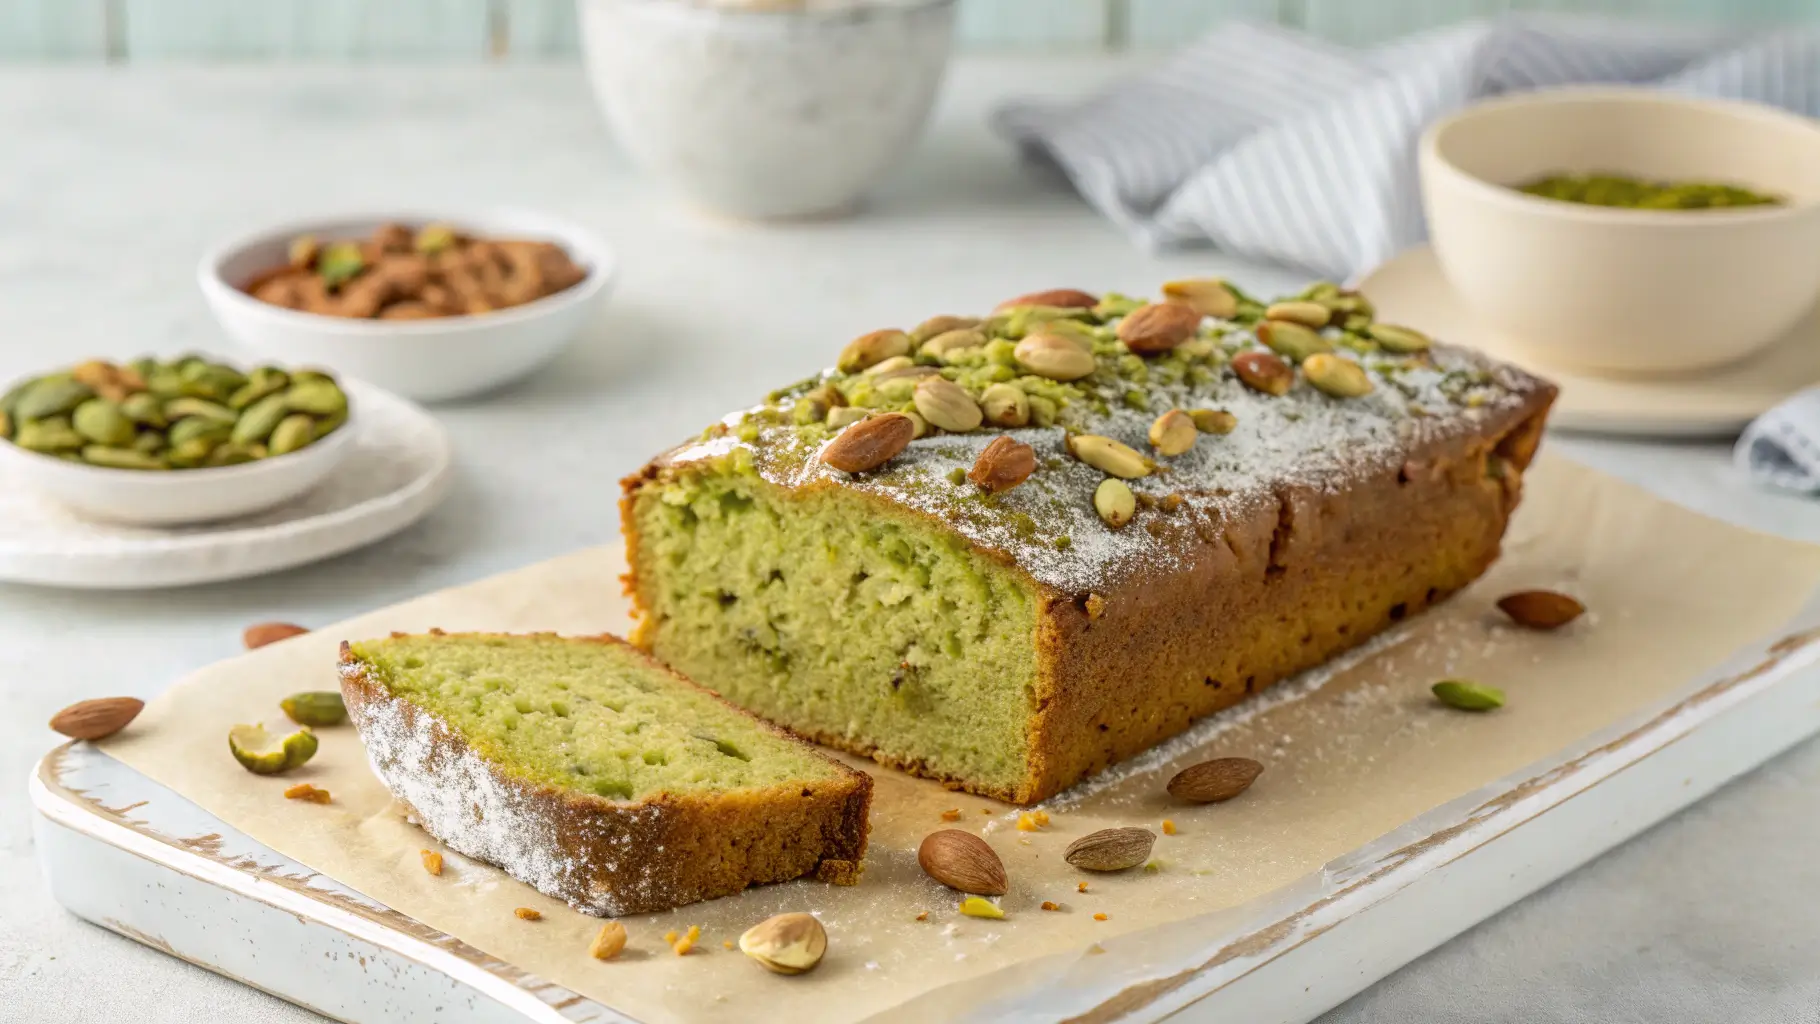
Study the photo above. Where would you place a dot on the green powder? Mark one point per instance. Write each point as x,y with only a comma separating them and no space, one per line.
1639,194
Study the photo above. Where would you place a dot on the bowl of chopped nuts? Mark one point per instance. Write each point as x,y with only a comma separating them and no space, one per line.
431,308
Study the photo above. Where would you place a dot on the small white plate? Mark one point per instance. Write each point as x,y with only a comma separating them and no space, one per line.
396,469
1717,402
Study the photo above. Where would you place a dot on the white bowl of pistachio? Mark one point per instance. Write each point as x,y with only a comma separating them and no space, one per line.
171,443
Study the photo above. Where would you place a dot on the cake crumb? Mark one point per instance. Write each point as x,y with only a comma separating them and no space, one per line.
924,916
985,810
432,861
1099,917
1168,827
1081,887
952,815
608,942
670,937
305,791
1095,950
1025,823
1042,818
1047,905
726,943
527,914
687,942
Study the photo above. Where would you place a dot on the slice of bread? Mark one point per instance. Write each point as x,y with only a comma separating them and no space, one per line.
594,774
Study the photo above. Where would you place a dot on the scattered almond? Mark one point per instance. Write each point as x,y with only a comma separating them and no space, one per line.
305,791
608,942
870,443
1002,465
98,718
1157,328
1060,298
432,861
962,860
1213,781
1263,372
1540,609
1110,849
263,633
527,914
786,944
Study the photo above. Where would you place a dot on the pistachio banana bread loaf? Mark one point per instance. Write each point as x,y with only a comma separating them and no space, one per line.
1008,551
594,775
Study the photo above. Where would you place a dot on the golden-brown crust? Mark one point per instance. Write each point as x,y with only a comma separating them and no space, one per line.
1257,597
614,857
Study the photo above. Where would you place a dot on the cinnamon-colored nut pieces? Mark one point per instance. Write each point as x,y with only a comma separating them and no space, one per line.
1213,781
397,274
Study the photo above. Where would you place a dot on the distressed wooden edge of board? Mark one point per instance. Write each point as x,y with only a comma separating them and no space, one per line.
1243,938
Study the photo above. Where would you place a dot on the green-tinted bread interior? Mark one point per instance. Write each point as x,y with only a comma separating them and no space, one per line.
820,609
585,715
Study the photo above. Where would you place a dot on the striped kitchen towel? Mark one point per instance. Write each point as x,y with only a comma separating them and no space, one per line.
1782,447
1270,143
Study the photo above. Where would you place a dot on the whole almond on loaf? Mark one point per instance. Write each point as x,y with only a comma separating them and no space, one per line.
870,443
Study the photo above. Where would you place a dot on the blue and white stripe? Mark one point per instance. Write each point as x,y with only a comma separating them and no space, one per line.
1273,144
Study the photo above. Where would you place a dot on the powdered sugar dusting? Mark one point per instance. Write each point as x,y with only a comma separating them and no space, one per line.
1305,439
457,796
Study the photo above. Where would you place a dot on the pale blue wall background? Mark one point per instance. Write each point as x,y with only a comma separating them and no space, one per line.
455,30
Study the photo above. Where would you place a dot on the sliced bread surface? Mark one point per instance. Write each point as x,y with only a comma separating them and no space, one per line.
594,774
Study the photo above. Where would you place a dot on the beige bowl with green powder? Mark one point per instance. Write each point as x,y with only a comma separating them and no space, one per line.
1627,278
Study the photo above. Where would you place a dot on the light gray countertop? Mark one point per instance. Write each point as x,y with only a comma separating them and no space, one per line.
112,182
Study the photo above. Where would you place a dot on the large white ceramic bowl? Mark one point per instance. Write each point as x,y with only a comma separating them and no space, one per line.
767,110
1621,290
179,497
429,360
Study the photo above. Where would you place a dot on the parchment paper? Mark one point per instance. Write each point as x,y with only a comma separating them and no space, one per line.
1351,753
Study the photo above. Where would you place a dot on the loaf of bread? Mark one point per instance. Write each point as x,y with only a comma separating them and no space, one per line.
1008,551
594,775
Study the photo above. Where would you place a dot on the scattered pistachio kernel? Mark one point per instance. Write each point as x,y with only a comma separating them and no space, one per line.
1114,502
1173,433
1213,421
979,906
1208,296
1109,456
1336,375
869,350
1401,340
1467,695
1295,311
